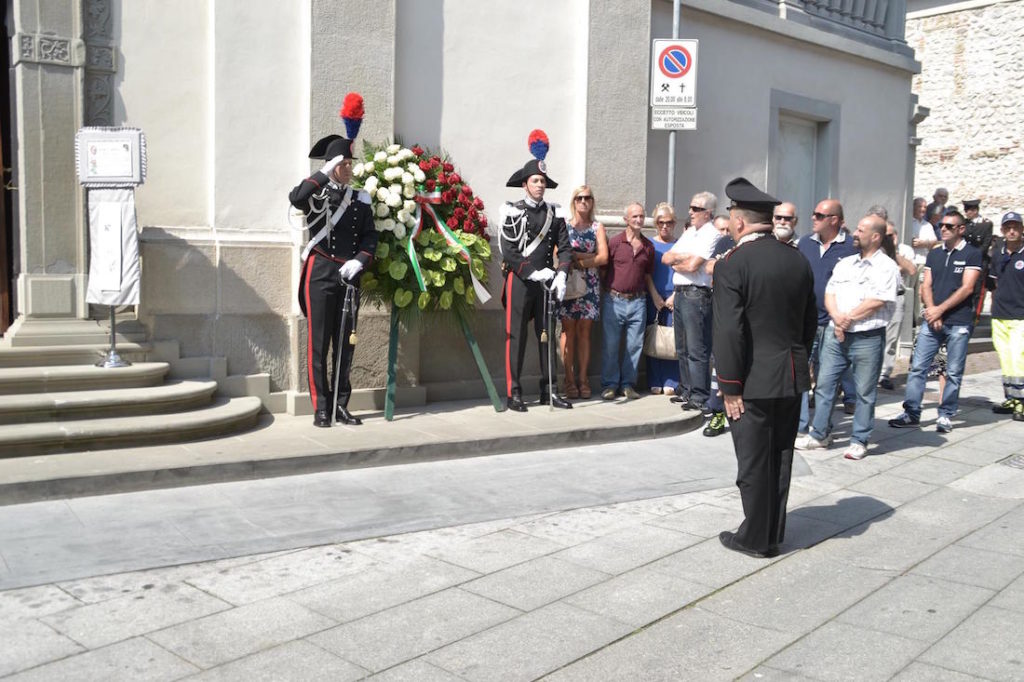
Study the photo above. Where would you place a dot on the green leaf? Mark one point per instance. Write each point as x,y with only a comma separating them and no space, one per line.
383,249
423,301
459,285
423,238
448,264
438,278
445,300
483,249
402,297
470,295
466,238
397,269
478,268
432,254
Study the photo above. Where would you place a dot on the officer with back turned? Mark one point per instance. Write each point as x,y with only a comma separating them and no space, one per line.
761,353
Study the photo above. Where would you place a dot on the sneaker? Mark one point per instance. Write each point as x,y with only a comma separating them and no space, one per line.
1008,406
904,421
716,427
809,442
855,451
630,393
608,394
655,390
943,425
887,384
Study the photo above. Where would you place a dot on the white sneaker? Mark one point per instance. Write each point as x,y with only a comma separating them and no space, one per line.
855,451
943,425
809,442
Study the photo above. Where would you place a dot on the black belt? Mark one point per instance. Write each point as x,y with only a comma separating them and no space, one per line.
691,287
627,296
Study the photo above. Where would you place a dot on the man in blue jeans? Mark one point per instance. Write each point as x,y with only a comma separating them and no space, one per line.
824,247
860,299
624,310
947,296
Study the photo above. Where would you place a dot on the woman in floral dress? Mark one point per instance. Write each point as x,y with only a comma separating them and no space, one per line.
589,252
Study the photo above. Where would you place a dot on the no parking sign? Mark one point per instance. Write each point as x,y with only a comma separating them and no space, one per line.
674,73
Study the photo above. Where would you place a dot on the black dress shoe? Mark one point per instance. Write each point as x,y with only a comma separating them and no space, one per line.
346,417
887,384
729,541
692,404
556,401
515,403
678,399
321,419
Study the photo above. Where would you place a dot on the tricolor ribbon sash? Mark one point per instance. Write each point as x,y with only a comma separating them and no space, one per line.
425,204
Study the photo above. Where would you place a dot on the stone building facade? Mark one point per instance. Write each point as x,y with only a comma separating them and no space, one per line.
972,68
231,93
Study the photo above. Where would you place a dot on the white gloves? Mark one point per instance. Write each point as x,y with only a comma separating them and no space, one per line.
542,275
329,166
350,269
558,286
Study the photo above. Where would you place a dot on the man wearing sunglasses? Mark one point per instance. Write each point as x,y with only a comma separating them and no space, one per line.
827,244
784,221
691,307
950,273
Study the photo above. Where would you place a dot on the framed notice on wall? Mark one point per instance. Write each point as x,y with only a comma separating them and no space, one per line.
110,157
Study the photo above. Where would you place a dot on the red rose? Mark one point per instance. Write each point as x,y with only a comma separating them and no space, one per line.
453,223
430,185
454,178
424,166
468,225
417,150
459,213
473,214
448,168
483,221
441,178
467,190
478,204
448,197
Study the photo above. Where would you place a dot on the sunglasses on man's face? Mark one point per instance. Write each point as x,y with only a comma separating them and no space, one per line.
949,226
697,209
785,218
822,216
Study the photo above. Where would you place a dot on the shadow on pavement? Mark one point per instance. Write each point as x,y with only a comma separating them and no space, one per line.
847,518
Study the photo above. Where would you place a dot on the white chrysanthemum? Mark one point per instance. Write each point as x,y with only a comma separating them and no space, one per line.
394,200
357,170
406,154
371,184
383,194
403,216
411,223
399,231
407,178
418,175
393,148
409,207
393,160
395,189
382,209
380,157
389,224
409,192
393,174
378,225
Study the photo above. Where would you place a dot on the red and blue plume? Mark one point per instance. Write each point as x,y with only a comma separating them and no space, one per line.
538,142
352,114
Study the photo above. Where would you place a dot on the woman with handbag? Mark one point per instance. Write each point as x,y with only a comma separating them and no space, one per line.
582,303
662,366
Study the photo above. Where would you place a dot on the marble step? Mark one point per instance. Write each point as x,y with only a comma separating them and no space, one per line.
175,396
221,417
80,354
17,380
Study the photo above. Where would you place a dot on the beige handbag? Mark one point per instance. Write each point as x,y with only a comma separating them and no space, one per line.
660,340
575,285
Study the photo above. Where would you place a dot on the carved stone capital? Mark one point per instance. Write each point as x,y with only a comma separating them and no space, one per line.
49,49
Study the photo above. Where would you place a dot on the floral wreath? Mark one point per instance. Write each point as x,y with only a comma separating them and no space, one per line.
433,248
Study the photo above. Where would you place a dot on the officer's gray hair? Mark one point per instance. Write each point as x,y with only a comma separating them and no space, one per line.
879,211
709,199
625,211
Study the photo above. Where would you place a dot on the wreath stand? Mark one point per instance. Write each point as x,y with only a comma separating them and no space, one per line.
389,394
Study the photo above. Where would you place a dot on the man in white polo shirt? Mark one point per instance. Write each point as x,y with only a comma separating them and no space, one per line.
860,299
691,307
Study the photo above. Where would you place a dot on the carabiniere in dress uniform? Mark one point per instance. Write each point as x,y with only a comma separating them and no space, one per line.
341,245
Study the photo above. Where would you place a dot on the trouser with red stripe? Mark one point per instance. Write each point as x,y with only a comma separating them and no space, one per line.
524,301
324,295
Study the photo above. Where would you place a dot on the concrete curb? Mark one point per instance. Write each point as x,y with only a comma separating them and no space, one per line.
87,483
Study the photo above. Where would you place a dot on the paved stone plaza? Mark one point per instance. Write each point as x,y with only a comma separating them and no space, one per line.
593,563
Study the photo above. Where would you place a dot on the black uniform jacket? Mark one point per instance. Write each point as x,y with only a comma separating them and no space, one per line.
979,235
764,320
354,236
542,256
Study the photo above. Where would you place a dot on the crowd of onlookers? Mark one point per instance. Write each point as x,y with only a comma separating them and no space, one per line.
652,297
